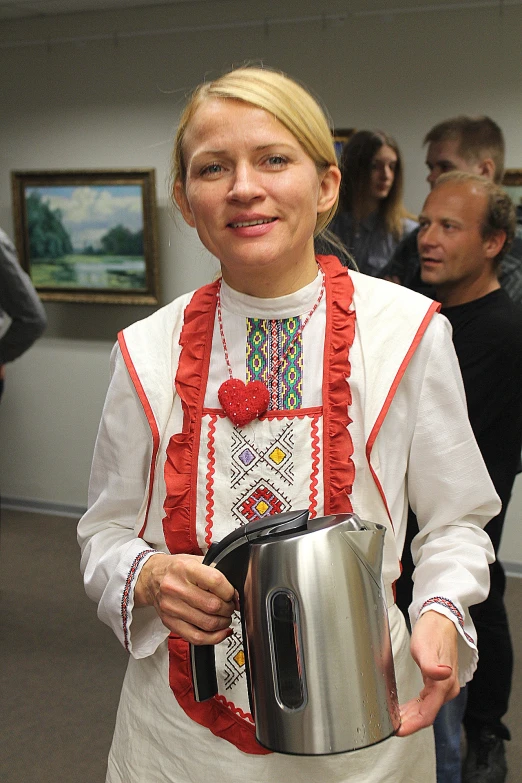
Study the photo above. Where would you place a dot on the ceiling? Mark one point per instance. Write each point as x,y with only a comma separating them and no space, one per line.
18,9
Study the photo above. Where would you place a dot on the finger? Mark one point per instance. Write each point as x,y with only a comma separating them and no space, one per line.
417,714
196,635
437,671
208,578
202,587
196,606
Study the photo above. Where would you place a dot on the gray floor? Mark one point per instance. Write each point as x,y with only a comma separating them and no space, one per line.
61,669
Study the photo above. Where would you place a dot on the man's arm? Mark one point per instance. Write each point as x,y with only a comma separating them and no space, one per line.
20,301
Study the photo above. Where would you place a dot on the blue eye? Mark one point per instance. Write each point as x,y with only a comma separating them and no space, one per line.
277,160
212,168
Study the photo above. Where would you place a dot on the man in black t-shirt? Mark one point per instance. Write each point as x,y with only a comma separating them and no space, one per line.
466,226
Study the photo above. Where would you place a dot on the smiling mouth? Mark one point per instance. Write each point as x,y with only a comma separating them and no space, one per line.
246,223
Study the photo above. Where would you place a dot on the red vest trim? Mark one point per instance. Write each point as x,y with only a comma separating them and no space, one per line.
434,308
150,418
337,442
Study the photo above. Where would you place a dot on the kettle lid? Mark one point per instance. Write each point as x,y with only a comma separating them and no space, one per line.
277,524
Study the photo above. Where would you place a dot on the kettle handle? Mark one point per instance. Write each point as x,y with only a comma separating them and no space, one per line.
202,657
203,663
230,557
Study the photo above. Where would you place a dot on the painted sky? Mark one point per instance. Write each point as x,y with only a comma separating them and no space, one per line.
89,211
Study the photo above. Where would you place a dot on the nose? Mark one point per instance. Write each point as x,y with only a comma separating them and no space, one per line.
432,177
245,184
427,237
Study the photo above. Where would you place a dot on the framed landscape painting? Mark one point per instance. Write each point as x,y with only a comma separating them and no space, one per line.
88,236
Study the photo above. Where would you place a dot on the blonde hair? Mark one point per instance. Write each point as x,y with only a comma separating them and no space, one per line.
276,93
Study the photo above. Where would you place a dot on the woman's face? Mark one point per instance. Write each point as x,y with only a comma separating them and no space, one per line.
253,194
384,163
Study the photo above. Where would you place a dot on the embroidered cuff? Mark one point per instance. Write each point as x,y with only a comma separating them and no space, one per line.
129,582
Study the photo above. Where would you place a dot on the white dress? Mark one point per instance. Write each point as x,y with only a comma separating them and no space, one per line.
406,415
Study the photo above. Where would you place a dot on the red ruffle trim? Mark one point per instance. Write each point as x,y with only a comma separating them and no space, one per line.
191,382
339,469
212,714
180,534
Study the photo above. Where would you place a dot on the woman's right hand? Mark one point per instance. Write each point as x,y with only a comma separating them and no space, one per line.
192,600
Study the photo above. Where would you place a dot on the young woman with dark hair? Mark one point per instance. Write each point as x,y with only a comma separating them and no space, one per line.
371,219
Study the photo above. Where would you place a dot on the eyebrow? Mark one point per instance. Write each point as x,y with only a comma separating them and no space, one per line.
440,162
441,219
259,148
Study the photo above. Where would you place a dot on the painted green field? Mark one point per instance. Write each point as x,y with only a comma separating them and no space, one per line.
86,271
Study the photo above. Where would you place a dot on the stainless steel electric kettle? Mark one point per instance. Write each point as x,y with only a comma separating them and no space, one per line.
315,631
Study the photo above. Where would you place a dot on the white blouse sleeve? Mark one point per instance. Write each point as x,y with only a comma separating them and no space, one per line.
112,554
450,491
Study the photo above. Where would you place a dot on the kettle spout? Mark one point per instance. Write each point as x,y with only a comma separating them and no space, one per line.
368,545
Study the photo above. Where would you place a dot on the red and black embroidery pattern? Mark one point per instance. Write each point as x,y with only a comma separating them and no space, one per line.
453,609
126,593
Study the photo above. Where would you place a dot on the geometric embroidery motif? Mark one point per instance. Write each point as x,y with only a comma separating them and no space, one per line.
267,342
260,500
235,657
277,456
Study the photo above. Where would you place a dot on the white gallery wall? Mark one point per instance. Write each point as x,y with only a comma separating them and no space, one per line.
104,90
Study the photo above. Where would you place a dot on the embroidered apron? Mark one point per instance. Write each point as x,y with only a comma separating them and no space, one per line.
219,477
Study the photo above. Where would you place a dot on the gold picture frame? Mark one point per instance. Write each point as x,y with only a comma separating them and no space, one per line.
88,235
340,137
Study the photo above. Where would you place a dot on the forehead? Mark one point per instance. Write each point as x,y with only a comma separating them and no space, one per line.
385,153
219,123
463,201
445,150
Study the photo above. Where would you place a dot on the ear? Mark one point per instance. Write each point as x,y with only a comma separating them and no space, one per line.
487,168
329,183
494,244
180,197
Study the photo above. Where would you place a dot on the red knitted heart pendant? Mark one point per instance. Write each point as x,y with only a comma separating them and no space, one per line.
242,404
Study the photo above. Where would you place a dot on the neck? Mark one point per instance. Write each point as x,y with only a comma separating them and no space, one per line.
270,283
369,205
468,292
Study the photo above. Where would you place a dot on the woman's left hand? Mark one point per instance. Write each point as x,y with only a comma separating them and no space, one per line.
434,649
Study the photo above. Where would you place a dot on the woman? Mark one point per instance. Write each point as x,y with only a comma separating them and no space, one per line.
371,219
356,411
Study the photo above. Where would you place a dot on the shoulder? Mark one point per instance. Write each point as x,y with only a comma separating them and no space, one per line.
500,308
490,325
5,241
163,321
8,255
378,293
392,316
506,317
